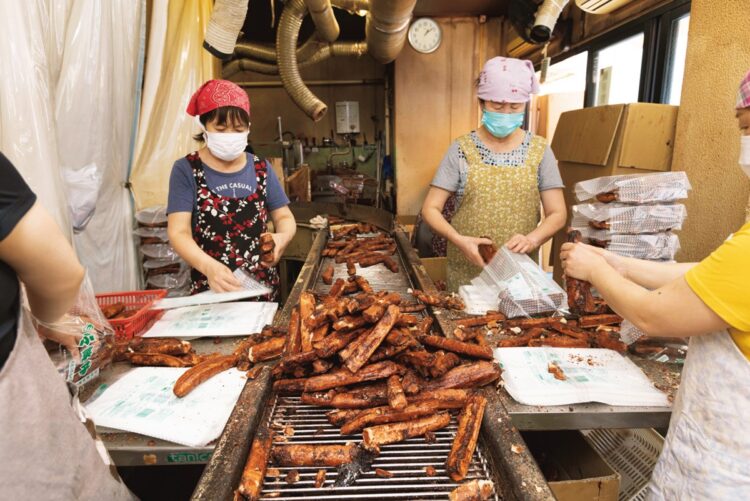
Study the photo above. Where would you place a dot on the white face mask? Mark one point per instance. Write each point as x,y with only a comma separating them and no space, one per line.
224,145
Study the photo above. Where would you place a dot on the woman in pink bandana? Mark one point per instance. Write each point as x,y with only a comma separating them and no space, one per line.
498,175
220,197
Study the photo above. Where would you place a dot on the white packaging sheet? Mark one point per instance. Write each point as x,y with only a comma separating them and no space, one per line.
250,288
142,402
637,188
214,320
592,375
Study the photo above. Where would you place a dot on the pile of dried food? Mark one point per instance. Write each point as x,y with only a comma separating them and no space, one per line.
346,246
372,359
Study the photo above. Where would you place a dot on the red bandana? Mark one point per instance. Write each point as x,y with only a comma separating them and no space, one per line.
216,94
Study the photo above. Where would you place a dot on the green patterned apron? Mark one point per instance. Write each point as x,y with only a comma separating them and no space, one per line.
499,201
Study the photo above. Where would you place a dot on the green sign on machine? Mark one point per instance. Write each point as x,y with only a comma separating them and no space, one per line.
188,457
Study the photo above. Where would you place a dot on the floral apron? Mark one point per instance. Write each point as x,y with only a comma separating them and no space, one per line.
499,201
228,229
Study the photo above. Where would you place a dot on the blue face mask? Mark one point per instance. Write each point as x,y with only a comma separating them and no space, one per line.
501,124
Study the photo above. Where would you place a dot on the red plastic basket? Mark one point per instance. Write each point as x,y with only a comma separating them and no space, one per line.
142,315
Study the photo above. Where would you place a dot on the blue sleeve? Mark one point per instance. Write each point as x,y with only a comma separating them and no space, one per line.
181,188
276,196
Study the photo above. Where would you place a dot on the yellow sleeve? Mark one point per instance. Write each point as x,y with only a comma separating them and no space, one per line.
722,280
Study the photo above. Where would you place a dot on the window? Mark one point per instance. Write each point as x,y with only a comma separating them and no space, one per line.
617,71
677,54
567,76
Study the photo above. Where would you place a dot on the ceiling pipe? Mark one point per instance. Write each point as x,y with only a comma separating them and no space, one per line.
387,27
224,27
325,51
545,19
324,19
286,50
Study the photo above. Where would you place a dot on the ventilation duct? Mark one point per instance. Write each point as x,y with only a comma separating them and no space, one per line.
322,15
224,27
546,17
387,27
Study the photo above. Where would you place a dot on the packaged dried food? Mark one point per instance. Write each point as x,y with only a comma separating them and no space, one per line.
635,188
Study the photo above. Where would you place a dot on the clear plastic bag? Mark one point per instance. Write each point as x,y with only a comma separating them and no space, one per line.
635,188
629,219
159,251
651,246
83,341
152,216
152,232
170,280
524,289
665,350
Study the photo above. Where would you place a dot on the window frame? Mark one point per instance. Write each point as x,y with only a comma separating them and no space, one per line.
658,52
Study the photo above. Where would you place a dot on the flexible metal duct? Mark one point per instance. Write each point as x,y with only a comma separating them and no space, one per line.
324,52
286,50
268,53
224,27
322,15
387,27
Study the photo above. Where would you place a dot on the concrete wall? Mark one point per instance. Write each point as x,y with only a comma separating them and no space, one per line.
707,136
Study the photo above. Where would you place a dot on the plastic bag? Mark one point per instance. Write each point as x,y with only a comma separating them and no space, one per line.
83,191
152,232
630,219
87,335
159,251
479,300
665,350
655,246
635,188
524,289
152,216
170,280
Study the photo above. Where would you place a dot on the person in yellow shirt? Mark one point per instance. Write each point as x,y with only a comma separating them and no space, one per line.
706,454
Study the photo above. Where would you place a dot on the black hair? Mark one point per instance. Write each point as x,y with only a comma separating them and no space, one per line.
224,115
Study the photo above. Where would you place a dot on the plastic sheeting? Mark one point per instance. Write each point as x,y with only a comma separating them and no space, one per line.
27,126
167,128
94,113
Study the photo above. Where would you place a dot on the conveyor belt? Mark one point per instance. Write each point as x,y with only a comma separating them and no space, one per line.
503,458
406,461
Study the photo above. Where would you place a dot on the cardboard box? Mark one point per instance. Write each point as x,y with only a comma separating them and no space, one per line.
573,469
611,140
435,267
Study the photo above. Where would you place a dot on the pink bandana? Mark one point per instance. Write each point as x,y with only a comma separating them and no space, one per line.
507,80
743,96
217,94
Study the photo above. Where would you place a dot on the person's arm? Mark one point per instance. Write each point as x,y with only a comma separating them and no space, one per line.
648,274
555,215
671,310
285,227
220,278
432,213
45,263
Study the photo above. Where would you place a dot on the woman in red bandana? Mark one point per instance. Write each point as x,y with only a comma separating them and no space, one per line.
220,198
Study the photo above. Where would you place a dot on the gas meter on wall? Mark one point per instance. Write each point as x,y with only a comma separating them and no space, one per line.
347,117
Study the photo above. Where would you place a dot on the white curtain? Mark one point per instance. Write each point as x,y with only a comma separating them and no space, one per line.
27,125
94,113
67,106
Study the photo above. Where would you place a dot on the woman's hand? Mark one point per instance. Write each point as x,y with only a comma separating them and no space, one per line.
220,278
470,248
280,241
68,341
580,260
521,244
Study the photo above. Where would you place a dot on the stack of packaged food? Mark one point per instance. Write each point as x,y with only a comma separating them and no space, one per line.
162,266
633,215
